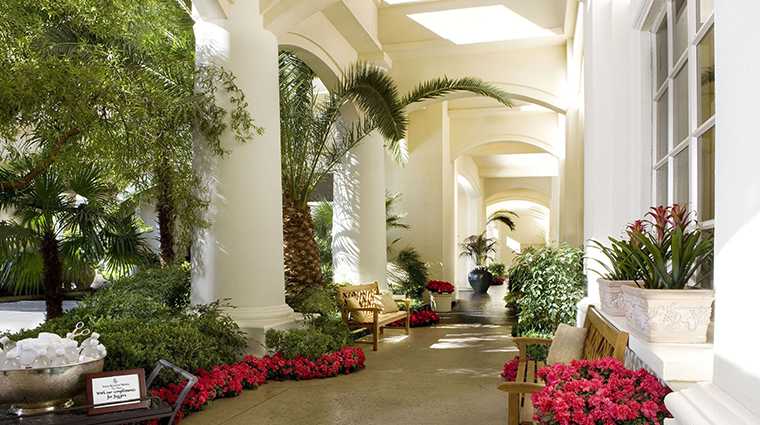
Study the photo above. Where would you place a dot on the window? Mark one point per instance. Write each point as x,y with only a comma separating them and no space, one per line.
683,70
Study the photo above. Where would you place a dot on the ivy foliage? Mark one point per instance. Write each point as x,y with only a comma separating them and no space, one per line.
549,281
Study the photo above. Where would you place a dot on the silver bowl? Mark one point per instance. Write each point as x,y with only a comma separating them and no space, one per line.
44,389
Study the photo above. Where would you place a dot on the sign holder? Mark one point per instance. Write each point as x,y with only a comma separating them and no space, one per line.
125,387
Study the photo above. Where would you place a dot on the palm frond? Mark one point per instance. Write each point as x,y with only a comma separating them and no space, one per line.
439,87
503,216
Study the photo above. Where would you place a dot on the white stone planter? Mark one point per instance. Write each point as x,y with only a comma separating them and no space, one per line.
668,315
441,303
611,295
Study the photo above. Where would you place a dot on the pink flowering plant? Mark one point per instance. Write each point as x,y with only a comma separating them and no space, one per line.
510,369
231,380
440,287
599,392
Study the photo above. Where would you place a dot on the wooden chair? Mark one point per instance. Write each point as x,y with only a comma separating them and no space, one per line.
365,295
602,340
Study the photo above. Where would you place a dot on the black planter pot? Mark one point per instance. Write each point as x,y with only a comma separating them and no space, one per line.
480,280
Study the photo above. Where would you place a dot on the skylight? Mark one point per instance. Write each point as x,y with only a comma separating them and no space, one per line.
480,25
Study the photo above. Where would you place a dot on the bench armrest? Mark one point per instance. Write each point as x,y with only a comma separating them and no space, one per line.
520,387
522,344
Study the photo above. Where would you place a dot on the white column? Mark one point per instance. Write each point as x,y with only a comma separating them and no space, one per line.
240,256
359,245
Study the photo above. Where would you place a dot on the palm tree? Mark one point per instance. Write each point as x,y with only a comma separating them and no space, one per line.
479,248
314,139
62,226
503,216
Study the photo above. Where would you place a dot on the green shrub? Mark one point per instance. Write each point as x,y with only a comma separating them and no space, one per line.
497,270
326,335
143,319
168,285
550,281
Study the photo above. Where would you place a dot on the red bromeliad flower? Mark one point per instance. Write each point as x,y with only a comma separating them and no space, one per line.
661,223
230,380
590,392
439,286
637,227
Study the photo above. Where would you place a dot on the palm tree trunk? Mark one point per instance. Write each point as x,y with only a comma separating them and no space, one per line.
302,266
53,275
166,215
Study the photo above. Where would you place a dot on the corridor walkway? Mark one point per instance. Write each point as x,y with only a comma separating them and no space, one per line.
444,374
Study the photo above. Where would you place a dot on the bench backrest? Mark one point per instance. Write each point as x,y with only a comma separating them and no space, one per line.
603,338
364,294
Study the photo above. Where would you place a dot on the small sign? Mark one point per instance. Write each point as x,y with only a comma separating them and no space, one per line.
116,391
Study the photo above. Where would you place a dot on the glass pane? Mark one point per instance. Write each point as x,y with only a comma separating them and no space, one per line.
661,52
707,176
705,275
707,72
662,185
662,126
681,106
681,178
705,9
681,36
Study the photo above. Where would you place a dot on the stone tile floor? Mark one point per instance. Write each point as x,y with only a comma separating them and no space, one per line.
444,374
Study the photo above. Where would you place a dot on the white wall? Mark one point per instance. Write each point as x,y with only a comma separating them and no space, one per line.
737,204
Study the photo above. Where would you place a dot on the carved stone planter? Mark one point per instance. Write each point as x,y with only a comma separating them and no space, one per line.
611,295
668,315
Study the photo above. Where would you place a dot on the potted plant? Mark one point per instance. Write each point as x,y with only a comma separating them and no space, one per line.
621,270
663,306
441,295
498,273
479,247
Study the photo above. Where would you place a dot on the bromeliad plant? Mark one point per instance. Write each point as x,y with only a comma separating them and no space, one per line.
622,264
667,248
439,287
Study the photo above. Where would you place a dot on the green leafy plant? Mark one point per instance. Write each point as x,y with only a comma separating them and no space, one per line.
310,343
622,264
479,248
497,270
407,273
551,282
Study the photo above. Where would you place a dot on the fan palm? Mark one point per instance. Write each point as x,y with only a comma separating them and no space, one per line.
62,226
314,139
503,216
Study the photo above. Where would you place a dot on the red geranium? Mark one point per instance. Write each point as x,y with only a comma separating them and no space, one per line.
440,287
599,392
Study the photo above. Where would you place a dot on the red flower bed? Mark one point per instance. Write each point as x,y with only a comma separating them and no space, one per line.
231,380
590,392
440,287
419,318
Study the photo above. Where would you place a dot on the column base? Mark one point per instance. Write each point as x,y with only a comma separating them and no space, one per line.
255,321
706,404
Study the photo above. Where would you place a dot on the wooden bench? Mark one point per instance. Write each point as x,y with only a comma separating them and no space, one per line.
602,340
365,295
